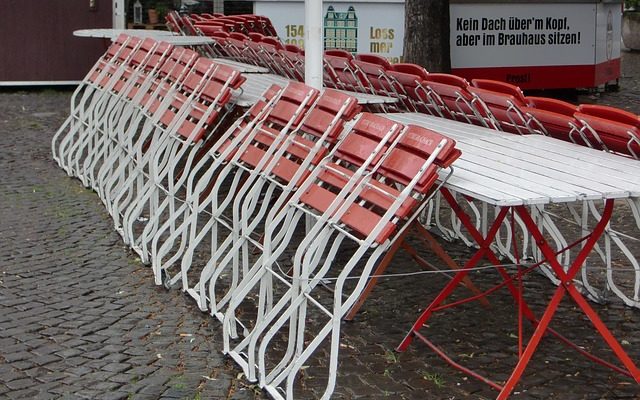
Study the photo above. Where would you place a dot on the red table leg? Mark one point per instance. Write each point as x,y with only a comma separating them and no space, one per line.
542,325
450,287
400,242
567,286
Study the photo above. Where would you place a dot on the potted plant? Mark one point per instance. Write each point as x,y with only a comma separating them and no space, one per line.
162,10
631,24
153,13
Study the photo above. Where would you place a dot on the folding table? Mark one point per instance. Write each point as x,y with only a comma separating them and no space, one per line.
256,84
109,33
165,36
513,173
366,98
242,67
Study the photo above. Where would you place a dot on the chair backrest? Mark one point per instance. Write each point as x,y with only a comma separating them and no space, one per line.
149,72
206,90
406,76
240,131
257,51
160,52
293,48
292,105
171,20
135,65
116,55
378,200
143,53
288,111
237,45
209,30
177,64
310,142
354,153
339,53
374,59
409,68
187,25
267,26
184,112
277,44
407,83
239,36
450,95
552,105
374,69
363,139
610,113
617,129
504,101
116,46
501,87
171,74
414,147
556,117
131,45
255,36
344,73
219,34
331,103
293,62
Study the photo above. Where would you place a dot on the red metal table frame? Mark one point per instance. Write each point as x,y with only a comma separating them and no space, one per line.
542,324
422,234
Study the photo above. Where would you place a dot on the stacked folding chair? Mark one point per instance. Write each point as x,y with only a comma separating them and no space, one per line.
134,132
448,96
173,159
275,173
175,230
273,118
551,117
610,129
138,125
218,210
374,182
502,103
92,91
121,108
406,80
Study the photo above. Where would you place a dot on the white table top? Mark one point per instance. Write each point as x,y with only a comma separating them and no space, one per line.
364,98
186,40
506,169
108,33
242,67
166,36
256,84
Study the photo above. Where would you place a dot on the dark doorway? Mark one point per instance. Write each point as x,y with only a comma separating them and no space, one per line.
38,45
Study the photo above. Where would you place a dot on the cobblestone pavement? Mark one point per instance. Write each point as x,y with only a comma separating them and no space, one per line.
81,318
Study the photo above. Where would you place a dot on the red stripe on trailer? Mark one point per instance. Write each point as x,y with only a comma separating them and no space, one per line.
549,76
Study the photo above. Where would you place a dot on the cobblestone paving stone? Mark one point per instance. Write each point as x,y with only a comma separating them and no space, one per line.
81,318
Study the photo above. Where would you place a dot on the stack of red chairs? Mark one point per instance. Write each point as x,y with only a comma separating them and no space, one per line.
601,127
497,105
610,128
207,23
